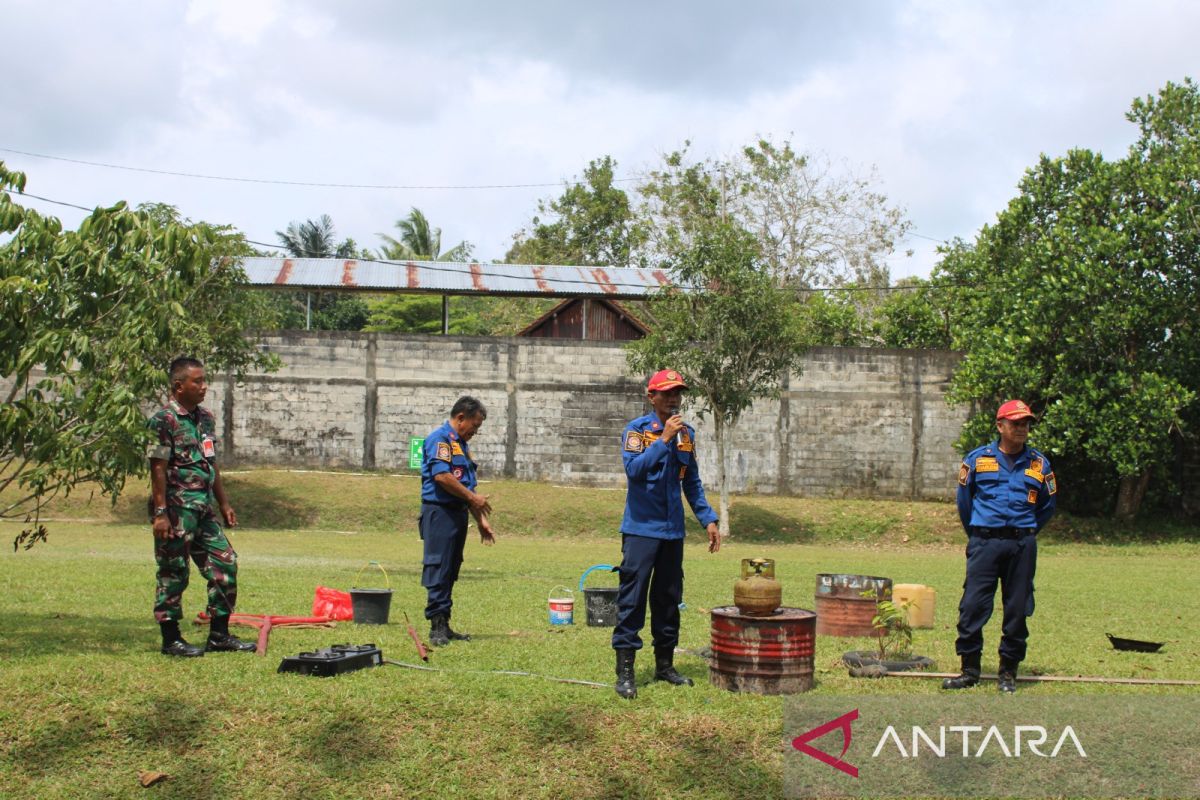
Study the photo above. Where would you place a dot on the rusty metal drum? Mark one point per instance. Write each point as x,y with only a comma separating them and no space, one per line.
770,654
846,603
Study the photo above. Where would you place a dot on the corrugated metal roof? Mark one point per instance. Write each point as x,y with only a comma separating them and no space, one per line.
444,277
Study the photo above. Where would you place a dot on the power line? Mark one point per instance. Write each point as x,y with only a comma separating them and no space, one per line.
56,202
428,266
314,184
331,185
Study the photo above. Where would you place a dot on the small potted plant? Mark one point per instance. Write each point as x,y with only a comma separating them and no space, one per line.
893,639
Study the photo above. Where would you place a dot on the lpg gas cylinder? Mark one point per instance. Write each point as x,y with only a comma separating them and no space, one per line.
757,593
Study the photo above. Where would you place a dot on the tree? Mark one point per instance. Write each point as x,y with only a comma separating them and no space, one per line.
419,241
89,320
1082,298
591,223
334,311
417,313
816,226
913,315
731,341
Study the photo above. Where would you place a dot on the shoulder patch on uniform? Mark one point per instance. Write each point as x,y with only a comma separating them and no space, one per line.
443,451
1051,484
987,464
964,474
633,442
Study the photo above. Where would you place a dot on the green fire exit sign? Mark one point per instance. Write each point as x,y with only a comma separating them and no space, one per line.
416,451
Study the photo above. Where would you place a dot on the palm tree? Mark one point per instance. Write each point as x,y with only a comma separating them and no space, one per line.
331,311
420,242
314,239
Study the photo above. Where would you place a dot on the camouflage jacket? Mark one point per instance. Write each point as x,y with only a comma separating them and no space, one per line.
188,443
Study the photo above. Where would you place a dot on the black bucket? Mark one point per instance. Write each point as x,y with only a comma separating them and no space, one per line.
601,604
371,606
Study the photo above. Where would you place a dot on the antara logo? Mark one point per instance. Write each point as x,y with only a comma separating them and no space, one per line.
1029,737
843,722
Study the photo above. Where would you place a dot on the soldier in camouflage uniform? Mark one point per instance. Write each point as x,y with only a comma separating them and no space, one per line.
185,481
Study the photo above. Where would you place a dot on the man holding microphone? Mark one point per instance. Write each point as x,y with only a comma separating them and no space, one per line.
659,452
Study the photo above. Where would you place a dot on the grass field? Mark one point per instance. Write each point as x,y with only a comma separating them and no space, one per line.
86,701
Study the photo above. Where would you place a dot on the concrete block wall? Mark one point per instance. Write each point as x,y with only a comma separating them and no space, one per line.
853,423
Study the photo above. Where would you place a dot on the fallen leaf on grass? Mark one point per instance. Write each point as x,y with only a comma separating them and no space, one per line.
148,778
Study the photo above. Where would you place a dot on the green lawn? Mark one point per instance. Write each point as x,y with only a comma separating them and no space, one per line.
86,701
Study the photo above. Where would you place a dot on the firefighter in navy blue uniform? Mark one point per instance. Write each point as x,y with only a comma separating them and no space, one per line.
447,494
1005,495
659,451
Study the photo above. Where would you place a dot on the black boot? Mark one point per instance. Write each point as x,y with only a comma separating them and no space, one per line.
1007,676
625,686
220,640
454,635
968,677
173,643
439,631
664,667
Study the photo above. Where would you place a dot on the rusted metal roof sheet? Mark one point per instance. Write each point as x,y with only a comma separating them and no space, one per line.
443,277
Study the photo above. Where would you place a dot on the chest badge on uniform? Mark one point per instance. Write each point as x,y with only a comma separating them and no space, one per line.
633,442
456,449
1032,497
208,448
443,451
987,464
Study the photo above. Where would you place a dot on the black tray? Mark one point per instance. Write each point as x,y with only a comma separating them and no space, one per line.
1133,644
335,660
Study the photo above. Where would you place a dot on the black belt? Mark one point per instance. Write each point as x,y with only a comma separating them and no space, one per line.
1002,533
447,506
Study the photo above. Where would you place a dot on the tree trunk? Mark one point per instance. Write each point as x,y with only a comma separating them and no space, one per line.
722,474
1130,494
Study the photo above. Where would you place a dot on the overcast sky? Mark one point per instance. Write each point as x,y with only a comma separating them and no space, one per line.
950,101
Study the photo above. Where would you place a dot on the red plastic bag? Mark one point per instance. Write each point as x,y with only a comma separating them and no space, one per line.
332,604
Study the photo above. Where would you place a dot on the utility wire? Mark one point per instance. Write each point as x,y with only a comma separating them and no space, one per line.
317,184
426,265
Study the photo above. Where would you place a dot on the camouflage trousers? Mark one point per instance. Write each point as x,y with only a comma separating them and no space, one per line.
196,534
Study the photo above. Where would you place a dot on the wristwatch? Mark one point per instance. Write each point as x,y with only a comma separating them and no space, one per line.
160,510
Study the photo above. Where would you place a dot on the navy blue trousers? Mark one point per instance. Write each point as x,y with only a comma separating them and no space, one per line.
444,531
1011,562
650,568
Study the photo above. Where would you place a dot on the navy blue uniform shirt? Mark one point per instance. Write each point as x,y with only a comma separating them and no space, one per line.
1001,491
656,471
445,451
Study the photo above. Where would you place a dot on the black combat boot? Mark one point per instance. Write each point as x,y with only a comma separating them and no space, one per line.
625,686
173,643
439,631
1007,676
220,640
969,676
664,667
454,635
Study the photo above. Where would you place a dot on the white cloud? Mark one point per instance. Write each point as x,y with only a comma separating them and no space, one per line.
950,101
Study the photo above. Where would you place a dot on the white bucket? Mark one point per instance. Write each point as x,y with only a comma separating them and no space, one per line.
561,604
